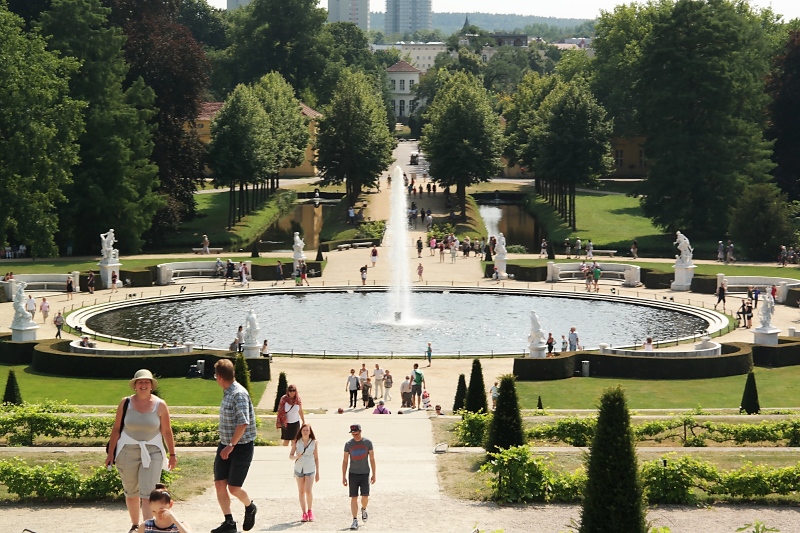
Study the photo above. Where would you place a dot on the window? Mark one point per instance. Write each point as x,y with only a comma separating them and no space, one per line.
394,85
618,158
402,108
394,107
410,84
402,85
413,106
483,57
641,159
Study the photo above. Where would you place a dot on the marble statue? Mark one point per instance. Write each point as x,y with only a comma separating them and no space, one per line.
500,248
251,329
298,244
109,253
685,249
765,313
22,318
536,341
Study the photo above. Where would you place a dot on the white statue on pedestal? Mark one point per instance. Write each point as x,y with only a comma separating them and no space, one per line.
685,248
536,341
765,313
109,253
22,318
251,329
298,244
500,248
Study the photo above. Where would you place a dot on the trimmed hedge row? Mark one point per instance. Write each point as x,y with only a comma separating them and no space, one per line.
737,359
786,353
52,356
704,284
269,273
520,273
15,353
654,279
792,296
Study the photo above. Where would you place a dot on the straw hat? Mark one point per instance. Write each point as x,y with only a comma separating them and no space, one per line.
143,374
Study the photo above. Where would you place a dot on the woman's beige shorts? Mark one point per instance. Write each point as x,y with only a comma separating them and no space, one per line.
137,481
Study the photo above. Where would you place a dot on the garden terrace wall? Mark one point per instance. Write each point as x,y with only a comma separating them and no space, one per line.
269,273
561,366
53,357
785,353
654,279
15,353
704,284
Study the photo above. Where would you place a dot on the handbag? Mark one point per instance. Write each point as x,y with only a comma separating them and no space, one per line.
121,426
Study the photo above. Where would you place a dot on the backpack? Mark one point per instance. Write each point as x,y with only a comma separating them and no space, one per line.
370,402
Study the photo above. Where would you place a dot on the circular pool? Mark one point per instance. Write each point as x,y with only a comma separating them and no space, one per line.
350,321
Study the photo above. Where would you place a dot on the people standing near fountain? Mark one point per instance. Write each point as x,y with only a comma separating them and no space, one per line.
596,272
563,343
278,272
429,354
756,294
417,386
363,271
363,374
304,273
432,245
237,434
352,386
377,379
240,338
441,252
543,249
551,342
420,269
290,415
453,251
573,339
388,381
748,314
306,468
419,247
90,282
405,393
366,392
648,344
578,248
373,255
494,392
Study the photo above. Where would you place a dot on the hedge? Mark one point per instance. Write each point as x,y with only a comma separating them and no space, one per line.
269,273
15,353
327,246
139,278
736,359
704,284
53,357
654,279
792,296
785,353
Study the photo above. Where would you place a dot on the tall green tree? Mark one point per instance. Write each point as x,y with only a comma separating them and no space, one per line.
241,151
763,220
701,109
571,137
462,140
506,428
353,143
612,499
476,392
115,184
40,125
12,395
784,114
207,24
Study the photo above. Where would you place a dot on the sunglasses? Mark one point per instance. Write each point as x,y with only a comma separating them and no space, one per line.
291,390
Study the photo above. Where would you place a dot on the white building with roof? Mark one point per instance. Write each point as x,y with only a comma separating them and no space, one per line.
402,77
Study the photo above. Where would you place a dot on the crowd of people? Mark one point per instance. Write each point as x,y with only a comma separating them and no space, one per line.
375,387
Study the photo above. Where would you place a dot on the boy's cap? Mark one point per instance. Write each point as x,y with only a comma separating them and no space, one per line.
355,428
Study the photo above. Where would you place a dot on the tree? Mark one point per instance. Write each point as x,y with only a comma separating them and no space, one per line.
476,392
241,151
281,390
539,405
114,185
12,394
40,124
29,10
505,69
783,86
506,428
702,113
206,23
612,499
353,143
763,220
461,394
462,140
574,64
571,140
750,403
242,371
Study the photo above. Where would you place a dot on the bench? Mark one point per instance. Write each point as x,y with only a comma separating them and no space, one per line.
346,246
75,347
740,284
604,274
630,275
609,253
362,244
40,282
167,271
210,251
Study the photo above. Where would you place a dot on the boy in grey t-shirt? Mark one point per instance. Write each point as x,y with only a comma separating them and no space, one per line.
357,452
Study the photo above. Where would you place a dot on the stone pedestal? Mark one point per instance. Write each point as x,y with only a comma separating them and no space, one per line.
683,277
500,263
24,333
251,351
538,351
768,336
553,272
105,275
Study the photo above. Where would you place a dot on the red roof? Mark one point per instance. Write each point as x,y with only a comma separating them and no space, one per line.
402,66
307,111
209,109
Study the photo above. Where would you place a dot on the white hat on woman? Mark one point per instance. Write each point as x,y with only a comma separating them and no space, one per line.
143,374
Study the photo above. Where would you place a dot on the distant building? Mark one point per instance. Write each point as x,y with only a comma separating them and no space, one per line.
422,55
402,77
355,11
233,4
408,16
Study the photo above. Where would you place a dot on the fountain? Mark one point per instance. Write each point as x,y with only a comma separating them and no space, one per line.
397,237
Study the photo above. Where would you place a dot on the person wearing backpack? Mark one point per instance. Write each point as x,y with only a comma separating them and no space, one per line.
417,386
381,409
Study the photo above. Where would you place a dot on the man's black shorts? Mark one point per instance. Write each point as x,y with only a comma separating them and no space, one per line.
356,482
416,390
234,469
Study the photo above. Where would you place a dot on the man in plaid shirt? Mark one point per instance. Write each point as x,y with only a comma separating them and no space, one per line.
237,435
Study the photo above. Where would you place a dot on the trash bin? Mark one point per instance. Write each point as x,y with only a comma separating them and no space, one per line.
585,369
201,367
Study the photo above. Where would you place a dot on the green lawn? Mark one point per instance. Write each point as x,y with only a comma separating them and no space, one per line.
88,391
778,387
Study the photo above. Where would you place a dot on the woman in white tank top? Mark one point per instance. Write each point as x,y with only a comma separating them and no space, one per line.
306,468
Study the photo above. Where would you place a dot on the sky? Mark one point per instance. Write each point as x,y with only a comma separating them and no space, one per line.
564,8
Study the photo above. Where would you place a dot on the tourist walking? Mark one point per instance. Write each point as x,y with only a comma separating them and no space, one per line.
635,249
720,297
388,381
377,379
363,271
305,454
432,245
205,244
494,392
363,374
90,282
30,306
229,268
114,279
58,320
290,415
304,273
429,354
164,520
567,248
243,274
543,249
352,386
136,445
729,256
359,454
70,288
441,252
573,339
366,393
596,275
420,270
373,255
756,294
417,386
237,434
720,252
419,247
278,272
589,250
44,307
578,248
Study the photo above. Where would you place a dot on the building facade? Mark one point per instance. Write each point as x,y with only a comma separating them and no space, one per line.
408,16
401,78
233,4
355,11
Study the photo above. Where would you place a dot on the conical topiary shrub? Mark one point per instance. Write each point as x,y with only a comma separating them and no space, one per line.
612,499
539,404
12,394
282,386
242,371
750,403
461,393
476,392
506,430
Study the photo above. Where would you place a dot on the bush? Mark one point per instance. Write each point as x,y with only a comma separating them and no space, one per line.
242,372
672,479
516,249
539,405
440,231
506,430
750,403
461,393
471,430
282,386
476,392
12,394
613,482
518,476
371,230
